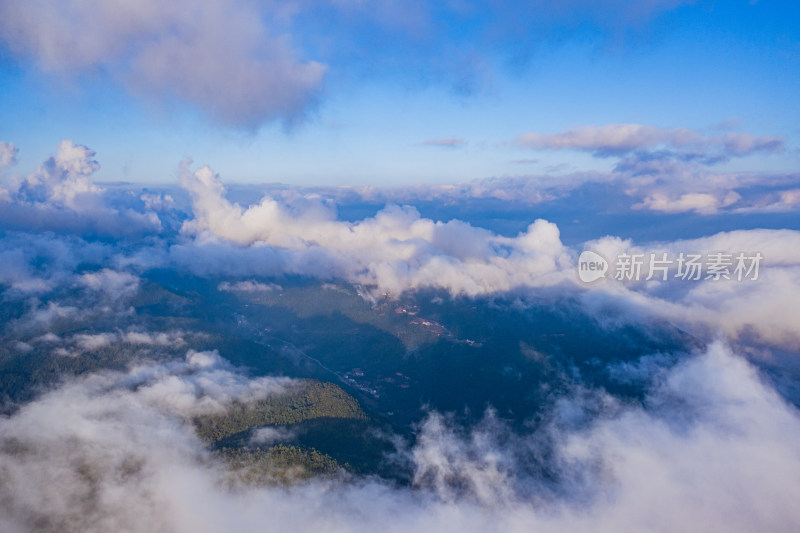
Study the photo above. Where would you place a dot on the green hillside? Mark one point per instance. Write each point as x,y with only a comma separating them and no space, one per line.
309,400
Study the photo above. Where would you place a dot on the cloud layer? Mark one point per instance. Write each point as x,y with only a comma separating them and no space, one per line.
396,250
716,449
709,444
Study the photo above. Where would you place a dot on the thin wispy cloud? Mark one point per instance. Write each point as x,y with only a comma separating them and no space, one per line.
621,139
445,142
8,155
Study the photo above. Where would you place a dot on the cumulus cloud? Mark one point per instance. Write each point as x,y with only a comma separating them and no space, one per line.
63,179
396,250
222,56
61,196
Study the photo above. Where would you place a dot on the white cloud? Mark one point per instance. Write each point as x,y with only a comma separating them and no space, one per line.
61,196
271,435
248,286
790,197
221,56
610,138
202,383
158,202
49,338
112,283
63,180
618,139
723,458
703,203
446,142
760,310
8,155
742,143
668,183
396,250
89,342
780,201
168,339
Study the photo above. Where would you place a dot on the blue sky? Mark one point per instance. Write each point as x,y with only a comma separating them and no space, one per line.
391,77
